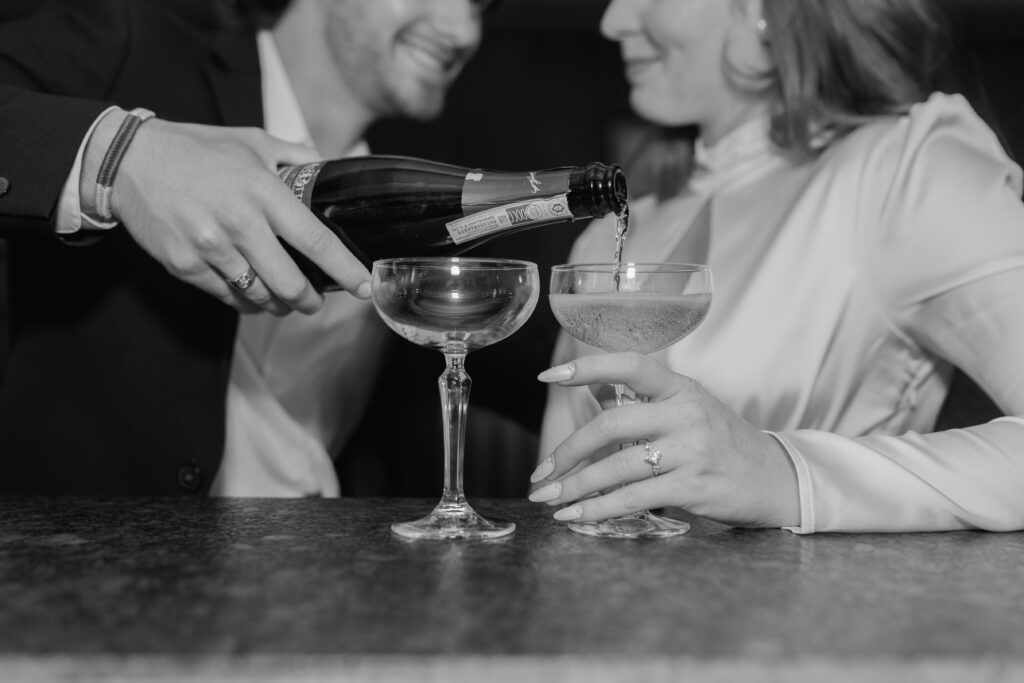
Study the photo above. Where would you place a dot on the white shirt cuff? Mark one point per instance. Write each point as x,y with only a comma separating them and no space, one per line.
69,208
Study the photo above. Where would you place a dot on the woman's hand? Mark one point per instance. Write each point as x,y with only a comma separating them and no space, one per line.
712,462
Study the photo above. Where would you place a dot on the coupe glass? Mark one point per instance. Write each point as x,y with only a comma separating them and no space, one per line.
640,307
454,305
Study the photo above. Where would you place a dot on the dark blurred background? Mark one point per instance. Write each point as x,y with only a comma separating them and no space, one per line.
546,90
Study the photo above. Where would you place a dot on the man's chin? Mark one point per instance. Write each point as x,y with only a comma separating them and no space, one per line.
421,109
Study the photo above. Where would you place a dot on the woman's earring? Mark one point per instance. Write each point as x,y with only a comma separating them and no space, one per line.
762,30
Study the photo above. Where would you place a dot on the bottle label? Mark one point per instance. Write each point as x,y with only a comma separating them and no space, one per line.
515,215
485,189
300,180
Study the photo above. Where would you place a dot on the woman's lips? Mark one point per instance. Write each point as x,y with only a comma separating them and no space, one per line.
636,68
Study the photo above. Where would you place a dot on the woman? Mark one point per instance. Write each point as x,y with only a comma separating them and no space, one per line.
866,237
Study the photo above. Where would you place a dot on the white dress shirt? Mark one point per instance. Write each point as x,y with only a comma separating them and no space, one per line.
844,290
298,383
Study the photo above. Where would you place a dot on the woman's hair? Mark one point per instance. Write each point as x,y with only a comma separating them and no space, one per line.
839,63
836,64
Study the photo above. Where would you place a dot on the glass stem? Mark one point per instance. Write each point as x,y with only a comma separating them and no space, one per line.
454,384
625,397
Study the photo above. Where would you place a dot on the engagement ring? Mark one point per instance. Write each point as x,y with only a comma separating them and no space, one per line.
653,458
245,280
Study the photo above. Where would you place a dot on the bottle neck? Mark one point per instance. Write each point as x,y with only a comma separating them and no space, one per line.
597,190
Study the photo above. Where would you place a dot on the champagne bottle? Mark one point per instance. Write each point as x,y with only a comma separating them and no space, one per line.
384,206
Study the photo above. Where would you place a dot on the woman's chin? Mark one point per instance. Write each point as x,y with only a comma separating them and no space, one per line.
654,108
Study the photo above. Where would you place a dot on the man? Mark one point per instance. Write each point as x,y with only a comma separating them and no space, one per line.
119,370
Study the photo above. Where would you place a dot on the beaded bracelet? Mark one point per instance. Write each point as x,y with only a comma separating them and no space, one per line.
112,160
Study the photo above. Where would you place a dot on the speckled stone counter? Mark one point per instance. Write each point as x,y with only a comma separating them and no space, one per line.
319,590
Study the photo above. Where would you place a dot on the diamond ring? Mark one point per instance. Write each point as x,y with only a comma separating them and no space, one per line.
653,458
245,280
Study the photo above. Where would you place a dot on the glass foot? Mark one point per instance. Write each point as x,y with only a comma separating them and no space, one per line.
453,521
640,525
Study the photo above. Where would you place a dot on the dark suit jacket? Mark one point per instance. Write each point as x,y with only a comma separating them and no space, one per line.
117,373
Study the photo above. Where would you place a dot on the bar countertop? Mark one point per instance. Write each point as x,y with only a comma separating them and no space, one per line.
320,590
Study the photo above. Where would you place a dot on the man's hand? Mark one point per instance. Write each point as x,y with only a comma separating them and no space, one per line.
206,203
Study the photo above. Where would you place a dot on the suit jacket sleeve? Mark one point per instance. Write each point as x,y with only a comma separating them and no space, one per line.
40,132
39,137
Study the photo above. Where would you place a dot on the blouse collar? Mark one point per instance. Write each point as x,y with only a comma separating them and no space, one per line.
742,150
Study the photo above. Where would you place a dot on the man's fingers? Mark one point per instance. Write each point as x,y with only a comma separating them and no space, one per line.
280,273
249,287
300,228
275,152
211,282
306,234
255,266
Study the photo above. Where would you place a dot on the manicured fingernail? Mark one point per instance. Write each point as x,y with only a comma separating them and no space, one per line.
543,470
570,513
363,290
559,373
546,493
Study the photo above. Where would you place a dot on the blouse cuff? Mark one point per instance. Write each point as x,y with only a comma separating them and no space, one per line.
804,486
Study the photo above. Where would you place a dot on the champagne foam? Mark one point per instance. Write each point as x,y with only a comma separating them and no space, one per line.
630,321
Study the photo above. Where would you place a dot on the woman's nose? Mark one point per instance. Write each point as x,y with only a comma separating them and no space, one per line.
617,19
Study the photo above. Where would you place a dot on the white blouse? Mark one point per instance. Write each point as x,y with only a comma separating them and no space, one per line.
846,289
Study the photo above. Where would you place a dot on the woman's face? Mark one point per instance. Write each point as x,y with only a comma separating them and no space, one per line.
676,52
